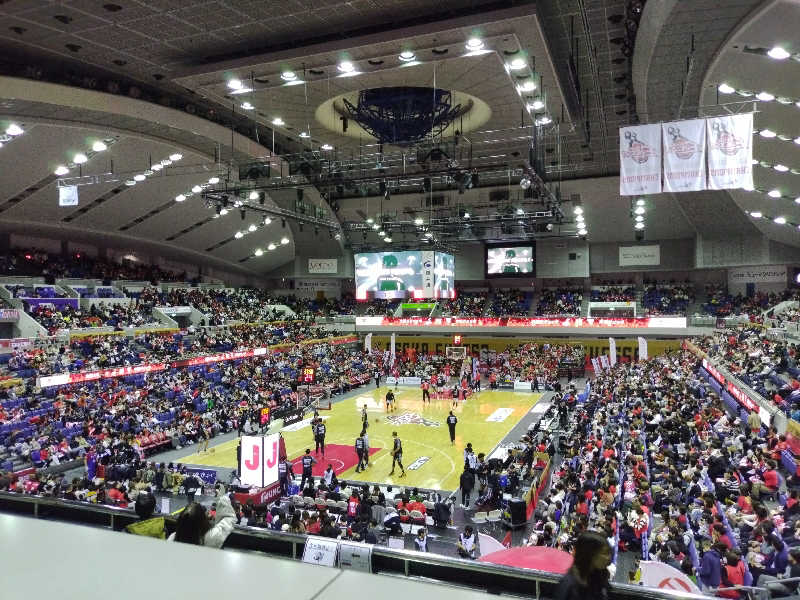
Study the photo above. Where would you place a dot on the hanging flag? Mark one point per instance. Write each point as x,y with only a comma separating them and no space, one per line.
368,343
68,195
604,362
730,152
612,351
640,160
596,366
684,155
391,352
475,362
642,348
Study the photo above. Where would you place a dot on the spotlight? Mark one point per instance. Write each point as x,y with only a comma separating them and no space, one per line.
640,202
774,193
14,130
180,198
517,64
781,168
778,53
288,75
158,166
79,158
466,214
544,120
238,235
419,221
252,228
639,210
234,84
525,182
536,105
428,234
243,214
61,170
253,195
520,211
266,221
767,133
407,56
166,162
214,180
370,220
338,236
284,240
139,177
278,122
326,147
99,146
639,226
639,218
130,182
577,210
780,220
582,231
305,135
271,246
197,189
258,252
387,239
527,86
175,157
247,106
381,233
346,67
474,44
223,212
376,226
756,214
765,97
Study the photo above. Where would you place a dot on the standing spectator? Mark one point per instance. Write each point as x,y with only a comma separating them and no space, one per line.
710,570
588,577
467,483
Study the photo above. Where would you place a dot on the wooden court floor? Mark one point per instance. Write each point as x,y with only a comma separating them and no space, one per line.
430,460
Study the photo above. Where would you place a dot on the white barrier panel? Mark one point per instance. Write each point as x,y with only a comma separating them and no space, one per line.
523,386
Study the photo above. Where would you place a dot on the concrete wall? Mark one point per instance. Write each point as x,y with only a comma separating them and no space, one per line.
676,255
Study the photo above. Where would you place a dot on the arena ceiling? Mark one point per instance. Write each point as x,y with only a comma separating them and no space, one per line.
168,66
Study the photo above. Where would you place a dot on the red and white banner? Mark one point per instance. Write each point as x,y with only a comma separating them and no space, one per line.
533,322
730,152
260,457
740,396
684,146
660,575
640,160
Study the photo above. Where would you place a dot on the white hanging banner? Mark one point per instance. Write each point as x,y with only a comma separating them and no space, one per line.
642,348
640,160
368,343
684,146
392,354
596,366
68,195
604,362
730,152
612,351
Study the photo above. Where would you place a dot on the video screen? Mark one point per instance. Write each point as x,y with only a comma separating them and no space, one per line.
388,274
444,275
510,261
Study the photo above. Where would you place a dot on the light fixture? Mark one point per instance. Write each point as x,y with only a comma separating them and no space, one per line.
148,173
640,202
267,221
130,182
79,158
765,97
466,214
158,166
375,226
778,53
780,220
278,122
724,88
223,212
242,90
407,56
346,67
284,240
180,198
253,195
517,64
99,146
577,210
474,44
756,214
520,211
238,235
381,233
271,246
582,231
536,105
525,182
61,170
258,252
252,228
781,168
774,193
639,226
197,189
744,93
14,130
797,200
428,234
305,135
544,120
326,147
139,177
639,210
579,218
175,157
247,106
166,162
288,75
639,218
767,133
387,239
213,180
235,84
419,221
370,220
527,86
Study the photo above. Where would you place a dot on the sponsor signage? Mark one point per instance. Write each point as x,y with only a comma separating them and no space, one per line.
684,155
417,464
260,460
767,274
740,396
640,160
500,415
207,476
418,305
296,416
320,551
522,386
410,418
9,315
172,311
586,322
323,266
649,255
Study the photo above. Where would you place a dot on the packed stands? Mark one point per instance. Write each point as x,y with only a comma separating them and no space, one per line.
613,293
667,298
509,303
561,301
465,304
97,315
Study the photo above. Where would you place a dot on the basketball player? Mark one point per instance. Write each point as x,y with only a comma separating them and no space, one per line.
308,462
451,425
284,468
397,454
426,395
319,437
390,401
364,417
359,445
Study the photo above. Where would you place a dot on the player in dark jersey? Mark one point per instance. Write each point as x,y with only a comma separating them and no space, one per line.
319,437
397,454
308,463
451,425
284,474
390,404
360,450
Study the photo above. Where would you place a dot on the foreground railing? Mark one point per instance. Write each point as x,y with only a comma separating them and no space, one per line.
488,577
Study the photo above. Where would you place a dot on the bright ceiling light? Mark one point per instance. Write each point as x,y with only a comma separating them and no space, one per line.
253,195
520,211
370,220
242,90
375,226
781,168
544,120
765,96
79,158
579,218
745,93
639,210
381,233
130,182
419,221
166,162
527,86
267,220
139,177
474,44
407,56
158,167
640,202
774,193
175,157
639,226
326,147
214,180
428,234
756,214
284,240
724,88
577,210
278,122
252,228
180,198
258,252
223,212
387,239
778,53
767,133
197,189
305,135
536,105
271,246
797,200
639,218
346,67
247,106
14,130
288,75
238,235
235,84
466,214
517,64
99,146
61,170
582,231
780,220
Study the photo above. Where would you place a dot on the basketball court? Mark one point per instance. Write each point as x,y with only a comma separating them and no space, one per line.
431,462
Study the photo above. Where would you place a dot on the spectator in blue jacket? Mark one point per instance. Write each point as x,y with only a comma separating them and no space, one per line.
777,560
711,566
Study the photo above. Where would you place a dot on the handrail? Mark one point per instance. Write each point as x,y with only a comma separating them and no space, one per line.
444,569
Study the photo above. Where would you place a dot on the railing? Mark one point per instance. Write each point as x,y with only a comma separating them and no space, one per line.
488,577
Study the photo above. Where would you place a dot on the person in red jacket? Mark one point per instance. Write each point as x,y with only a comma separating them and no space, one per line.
732,574
771,480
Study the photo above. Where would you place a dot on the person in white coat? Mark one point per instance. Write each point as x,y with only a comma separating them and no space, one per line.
194,526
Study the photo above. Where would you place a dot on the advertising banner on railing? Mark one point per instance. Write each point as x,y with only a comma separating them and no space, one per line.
533,322
684,155
730,152
640,160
